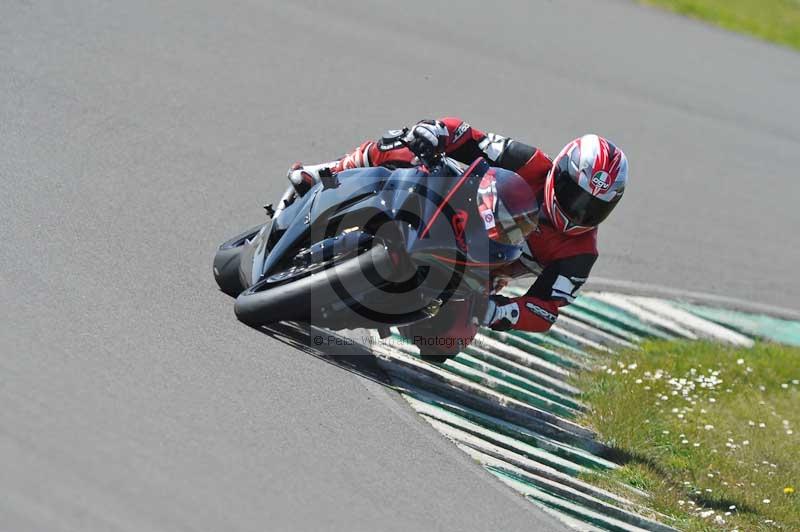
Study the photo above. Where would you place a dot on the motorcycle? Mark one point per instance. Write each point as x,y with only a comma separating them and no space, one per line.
372,248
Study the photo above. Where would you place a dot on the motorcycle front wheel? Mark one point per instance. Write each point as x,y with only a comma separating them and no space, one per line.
227,260
300,293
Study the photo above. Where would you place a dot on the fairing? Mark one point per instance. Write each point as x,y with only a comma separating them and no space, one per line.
430,217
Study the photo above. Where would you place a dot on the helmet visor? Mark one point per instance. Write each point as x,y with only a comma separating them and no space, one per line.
579,205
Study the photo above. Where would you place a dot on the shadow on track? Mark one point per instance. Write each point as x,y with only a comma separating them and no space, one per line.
347,355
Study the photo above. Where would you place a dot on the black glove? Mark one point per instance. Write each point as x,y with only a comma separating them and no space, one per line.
427,138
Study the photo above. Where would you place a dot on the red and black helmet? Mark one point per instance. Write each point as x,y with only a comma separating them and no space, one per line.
587,180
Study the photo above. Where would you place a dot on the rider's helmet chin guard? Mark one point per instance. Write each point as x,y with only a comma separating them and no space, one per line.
507,206
584,185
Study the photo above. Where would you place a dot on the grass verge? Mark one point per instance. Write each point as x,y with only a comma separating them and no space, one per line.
773,20
710,432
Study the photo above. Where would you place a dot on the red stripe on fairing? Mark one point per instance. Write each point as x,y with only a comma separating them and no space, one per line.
447,198
469,263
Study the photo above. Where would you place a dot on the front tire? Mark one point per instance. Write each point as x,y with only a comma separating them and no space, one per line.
227,260
297,300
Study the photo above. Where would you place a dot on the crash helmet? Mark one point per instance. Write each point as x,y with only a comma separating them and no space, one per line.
584,185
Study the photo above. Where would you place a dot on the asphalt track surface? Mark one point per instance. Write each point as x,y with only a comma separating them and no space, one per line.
135,136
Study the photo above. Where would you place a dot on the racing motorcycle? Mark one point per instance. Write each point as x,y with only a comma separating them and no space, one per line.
378,247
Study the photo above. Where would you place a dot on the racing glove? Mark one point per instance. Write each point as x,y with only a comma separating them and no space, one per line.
427,138
526,313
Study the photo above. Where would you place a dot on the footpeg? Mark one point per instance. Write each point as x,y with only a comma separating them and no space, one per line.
433,308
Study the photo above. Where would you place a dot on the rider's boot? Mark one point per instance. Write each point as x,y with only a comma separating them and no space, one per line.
302,178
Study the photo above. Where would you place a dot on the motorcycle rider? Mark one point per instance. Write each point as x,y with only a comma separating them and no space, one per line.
577,190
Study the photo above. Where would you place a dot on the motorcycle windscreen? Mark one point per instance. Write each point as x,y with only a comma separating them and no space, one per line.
508,207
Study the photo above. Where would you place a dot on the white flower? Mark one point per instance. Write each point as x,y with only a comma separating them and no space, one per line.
684,442
638,381
751,423
790,432
708,427
740,361
766,501
784,386
712,400
746,442
762,425
732,507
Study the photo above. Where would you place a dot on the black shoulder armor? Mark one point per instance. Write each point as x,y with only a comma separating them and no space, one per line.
515,155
